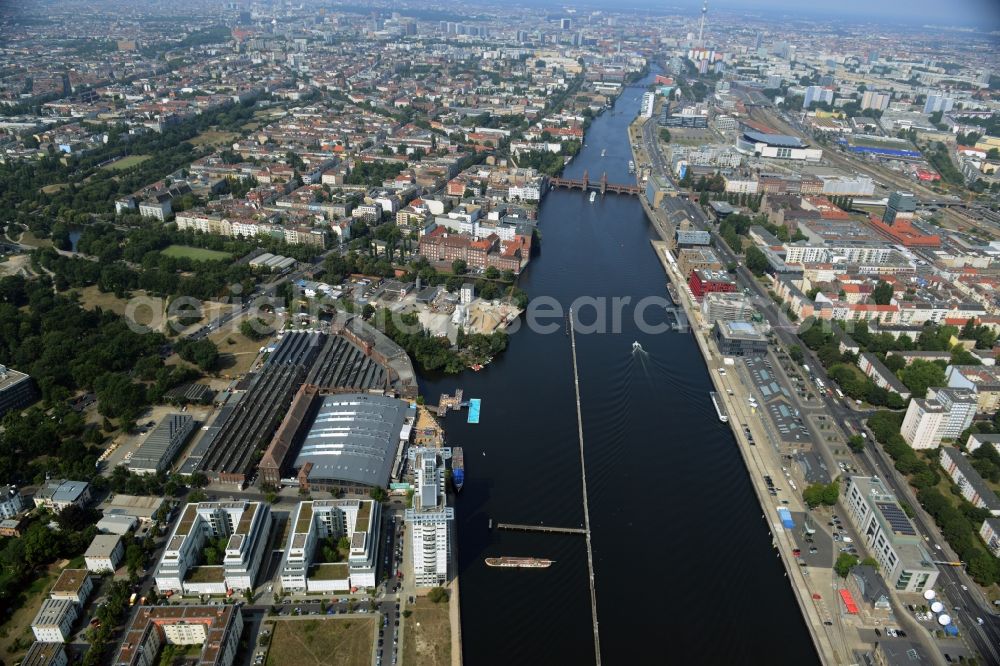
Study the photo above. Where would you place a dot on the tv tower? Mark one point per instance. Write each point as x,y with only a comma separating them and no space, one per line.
701,28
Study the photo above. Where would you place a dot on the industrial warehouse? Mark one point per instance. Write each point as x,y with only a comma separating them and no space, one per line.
350,442
353,357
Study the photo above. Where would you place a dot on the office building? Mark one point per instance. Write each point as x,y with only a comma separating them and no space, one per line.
305,569
817,95
157,452
889,535
944,414
969,482
431,520
57,494
566,24
696,259
54,621
693,237
703,281
17,390
901,205
244,527
74,585
990,533
45,654
938,102
739,338
727,307
11,502
105,553
216,628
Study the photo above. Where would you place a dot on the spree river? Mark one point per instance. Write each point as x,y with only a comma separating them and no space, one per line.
683,561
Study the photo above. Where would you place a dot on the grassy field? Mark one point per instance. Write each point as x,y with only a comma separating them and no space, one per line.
52,189
328,642
18,627
213,137
427,635
126,162
236,351
28,238
196,253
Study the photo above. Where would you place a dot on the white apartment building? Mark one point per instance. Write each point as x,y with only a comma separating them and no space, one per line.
648,103
216,628
244,526
990,532
45,654
944,414
358,520
889,535
105,553
431,519
54,621
525,192
969,481
938,102
742,185
803,252
816,94
73,585
872,99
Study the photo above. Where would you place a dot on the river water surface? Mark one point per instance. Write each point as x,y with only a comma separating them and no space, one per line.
683,561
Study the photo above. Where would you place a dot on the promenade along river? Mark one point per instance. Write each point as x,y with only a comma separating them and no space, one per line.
684,566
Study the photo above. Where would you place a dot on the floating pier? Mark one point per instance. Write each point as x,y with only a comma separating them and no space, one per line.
541,528
586,508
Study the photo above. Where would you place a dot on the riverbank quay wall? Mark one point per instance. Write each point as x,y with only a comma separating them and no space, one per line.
751,458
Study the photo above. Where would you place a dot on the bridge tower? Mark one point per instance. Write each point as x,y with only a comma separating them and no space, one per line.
604,182
586,180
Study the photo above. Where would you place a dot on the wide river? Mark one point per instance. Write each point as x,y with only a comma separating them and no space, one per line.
685,570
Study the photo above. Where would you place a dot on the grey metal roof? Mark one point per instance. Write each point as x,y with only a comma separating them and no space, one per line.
162,442
779,140
354,438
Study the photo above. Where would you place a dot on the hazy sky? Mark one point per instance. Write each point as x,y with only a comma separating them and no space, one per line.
980,13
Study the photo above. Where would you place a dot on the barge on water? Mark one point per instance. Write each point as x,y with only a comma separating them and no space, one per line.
457,468
518,562
719,409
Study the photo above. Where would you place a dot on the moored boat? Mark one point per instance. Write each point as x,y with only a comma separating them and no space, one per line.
457,467
518,562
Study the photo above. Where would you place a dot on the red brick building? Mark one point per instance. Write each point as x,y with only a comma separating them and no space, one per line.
444,246
704,281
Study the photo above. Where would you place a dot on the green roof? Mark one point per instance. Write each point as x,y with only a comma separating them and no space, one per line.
331,571
206,574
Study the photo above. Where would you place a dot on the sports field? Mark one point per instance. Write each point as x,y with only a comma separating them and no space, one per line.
214,137
196,253
126,162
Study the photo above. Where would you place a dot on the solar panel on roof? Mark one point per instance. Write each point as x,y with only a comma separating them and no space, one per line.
897,519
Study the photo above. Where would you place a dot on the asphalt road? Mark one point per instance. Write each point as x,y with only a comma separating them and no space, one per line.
955,583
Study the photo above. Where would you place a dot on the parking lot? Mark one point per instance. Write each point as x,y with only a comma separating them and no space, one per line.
815,549
778,402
